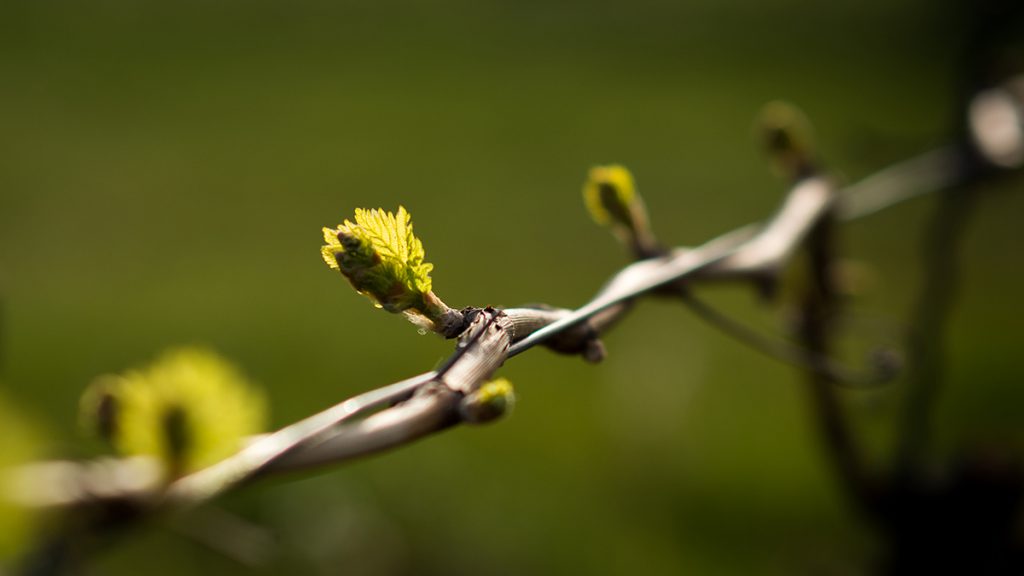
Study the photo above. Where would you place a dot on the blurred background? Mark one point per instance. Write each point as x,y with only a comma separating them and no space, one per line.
166,167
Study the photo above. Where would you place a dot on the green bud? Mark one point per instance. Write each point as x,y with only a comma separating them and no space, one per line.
489,402
611,198
788,138
188,409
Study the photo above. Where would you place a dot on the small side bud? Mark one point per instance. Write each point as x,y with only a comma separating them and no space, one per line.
488,402
787,137
611,198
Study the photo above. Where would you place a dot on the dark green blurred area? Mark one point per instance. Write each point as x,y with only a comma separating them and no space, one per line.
165,169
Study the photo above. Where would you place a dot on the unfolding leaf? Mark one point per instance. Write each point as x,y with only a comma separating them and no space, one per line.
381,257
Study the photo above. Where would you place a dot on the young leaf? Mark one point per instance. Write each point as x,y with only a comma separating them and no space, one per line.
383,260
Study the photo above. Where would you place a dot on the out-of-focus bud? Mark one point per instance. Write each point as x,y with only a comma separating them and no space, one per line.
188,409
489,402
612,200
21,445
99,406
787,137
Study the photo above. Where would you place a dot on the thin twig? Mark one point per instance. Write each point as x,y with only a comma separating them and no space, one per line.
926,344
939,169
817,311
872,375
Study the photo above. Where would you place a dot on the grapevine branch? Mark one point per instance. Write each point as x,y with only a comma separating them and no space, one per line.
400,413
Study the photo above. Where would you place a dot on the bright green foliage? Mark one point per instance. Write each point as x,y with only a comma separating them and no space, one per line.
20,445
189,409
382,258
491,401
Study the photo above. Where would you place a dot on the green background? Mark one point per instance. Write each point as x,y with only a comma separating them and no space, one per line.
165,169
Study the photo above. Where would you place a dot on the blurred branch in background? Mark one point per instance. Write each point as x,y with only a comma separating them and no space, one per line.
963,514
